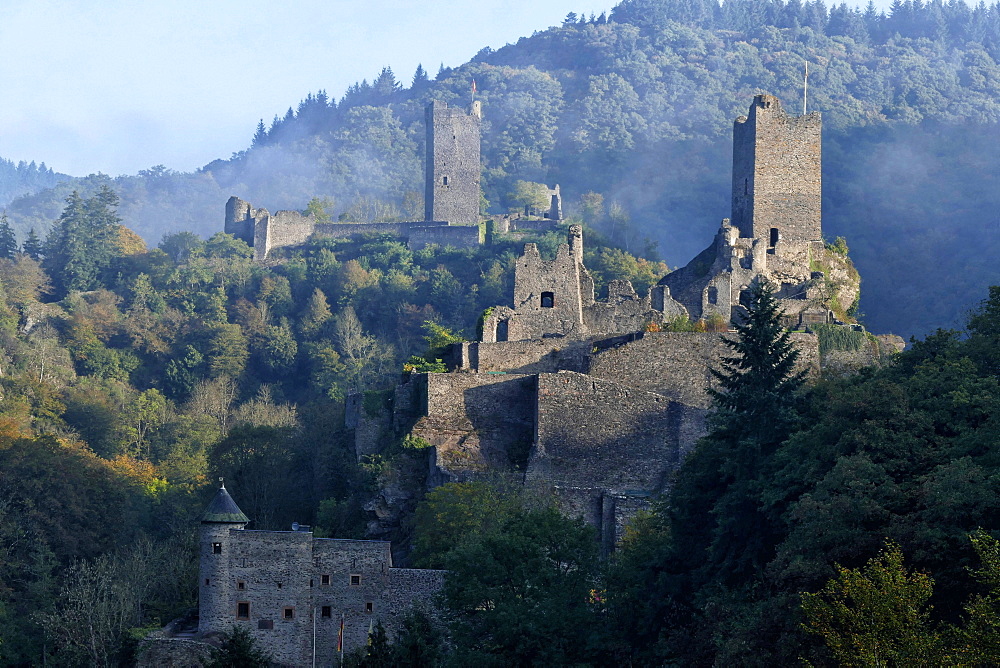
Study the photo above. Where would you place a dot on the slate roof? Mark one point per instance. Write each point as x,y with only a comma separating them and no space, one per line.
224,510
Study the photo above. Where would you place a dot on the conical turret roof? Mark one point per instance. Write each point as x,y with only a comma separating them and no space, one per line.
224,510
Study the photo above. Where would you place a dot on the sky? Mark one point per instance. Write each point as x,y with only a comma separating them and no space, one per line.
116,86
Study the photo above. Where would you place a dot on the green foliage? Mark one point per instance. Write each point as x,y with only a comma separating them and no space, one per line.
839,246
522,592
878,615
238,650
839,337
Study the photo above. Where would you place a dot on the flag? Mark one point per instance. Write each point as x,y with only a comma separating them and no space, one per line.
473,86
340,635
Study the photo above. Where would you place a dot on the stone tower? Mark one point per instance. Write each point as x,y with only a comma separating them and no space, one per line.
453,167
216,605
777,182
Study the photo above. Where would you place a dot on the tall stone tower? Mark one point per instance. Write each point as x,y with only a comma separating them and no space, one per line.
453,168
777,181
216,605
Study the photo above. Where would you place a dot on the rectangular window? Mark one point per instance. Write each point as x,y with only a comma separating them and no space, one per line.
206,582
265,624
326,612
324,579
355,580
288,613
243,610
369,606
216,548
240,585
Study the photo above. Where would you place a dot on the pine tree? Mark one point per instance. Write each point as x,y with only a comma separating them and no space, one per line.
758,385
8,242
32,245
260,136
419,77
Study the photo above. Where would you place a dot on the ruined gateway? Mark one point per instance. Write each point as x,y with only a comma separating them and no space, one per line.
595,401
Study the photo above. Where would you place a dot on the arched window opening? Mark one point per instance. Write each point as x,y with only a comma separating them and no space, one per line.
503,330
713,295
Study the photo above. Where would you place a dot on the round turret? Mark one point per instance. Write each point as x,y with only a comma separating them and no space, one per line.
216,605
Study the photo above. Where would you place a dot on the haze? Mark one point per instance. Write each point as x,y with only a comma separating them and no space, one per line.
115,86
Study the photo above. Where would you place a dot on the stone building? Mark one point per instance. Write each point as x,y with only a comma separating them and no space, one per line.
775,229
291,589
451,185
555,298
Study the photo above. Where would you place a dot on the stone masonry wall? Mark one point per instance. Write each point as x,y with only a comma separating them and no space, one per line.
453,164
675,364
777,178
476,422
592,432
297,588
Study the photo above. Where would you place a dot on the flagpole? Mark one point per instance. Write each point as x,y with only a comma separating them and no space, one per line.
341,639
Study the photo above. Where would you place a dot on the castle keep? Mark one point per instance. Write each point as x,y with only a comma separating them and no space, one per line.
453,166
291,590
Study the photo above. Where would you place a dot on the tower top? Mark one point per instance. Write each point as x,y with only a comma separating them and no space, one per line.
223,510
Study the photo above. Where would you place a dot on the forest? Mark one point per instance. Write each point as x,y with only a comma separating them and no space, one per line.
144,354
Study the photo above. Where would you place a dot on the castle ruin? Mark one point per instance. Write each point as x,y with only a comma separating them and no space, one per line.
597,401
451,198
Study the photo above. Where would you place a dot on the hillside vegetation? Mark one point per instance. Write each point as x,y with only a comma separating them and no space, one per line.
637,107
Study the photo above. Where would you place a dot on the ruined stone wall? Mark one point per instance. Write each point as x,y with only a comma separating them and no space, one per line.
675,364
477,422
453,167
592,432
529,355
458,236
777,177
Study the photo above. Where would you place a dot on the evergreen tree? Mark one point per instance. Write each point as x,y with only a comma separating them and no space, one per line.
239,650
419,77
32,245
82,244
8,242
260,136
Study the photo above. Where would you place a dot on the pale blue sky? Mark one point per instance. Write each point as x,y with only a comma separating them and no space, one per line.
121,85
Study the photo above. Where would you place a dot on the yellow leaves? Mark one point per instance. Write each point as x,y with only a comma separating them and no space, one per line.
142,473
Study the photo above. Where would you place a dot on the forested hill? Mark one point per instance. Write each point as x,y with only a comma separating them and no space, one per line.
637,106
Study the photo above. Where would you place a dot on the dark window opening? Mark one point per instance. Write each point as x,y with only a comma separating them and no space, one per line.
243,610
369,606
503,330
355,580
774,237
324,579
548,300
216,548
265,624
279,585
713,295
206,582
288,613
326,612
240,585
310,583
444,181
